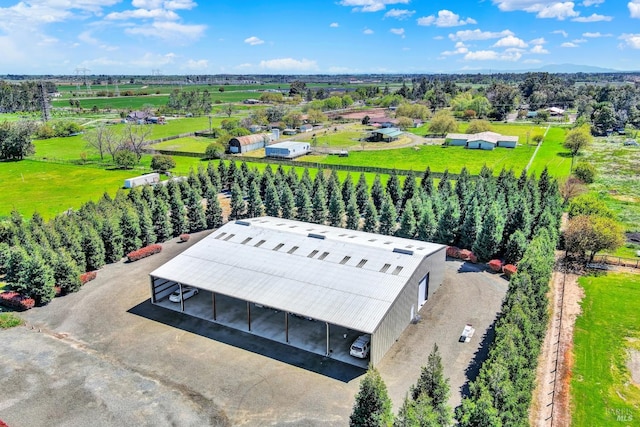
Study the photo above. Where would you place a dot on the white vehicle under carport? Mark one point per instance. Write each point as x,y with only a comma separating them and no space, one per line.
360,347
188,292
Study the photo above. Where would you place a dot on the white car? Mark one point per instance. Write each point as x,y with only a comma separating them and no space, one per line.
360,347
188,293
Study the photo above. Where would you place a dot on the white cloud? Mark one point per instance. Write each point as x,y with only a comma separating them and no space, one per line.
152,60
563,33
593,18
578,41
289,64
399,13
634,8
587,3
491,55
397,31
198,65
538,49
162,14
596,35
632,40
510,41
334,25
169,31
460,49
438,38
543,9
86,37
467,35
179,4
253,41
367,31
539,40
445,18
370,5
568,44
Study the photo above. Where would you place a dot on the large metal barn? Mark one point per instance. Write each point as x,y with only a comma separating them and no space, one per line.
311,286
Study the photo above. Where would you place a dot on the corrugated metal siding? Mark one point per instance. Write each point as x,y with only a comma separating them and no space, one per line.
399,315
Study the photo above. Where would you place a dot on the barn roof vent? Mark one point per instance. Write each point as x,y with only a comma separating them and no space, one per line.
240,222
316,236
402,251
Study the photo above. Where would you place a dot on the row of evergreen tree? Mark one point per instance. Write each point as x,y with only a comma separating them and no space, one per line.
426,404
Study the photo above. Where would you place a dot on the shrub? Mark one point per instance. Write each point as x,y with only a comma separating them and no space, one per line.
495,265
184,237
586,172
467,255
509,270
88,276
212,152
16,301
144,252
125,159
162,163
453,252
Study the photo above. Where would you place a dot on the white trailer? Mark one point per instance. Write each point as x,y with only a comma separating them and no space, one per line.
151,178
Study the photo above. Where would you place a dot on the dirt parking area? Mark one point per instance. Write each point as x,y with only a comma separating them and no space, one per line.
105,356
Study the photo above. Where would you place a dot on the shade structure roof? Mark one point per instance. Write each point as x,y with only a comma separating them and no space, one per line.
344,277
287,144
390,132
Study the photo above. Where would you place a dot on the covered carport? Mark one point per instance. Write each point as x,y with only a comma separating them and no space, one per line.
310,286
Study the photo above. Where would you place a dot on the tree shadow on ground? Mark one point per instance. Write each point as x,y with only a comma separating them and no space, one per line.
284,353
473,369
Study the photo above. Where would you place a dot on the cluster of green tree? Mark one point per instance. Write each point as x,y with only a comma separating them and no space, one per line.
37,256
491,215
23,97
192,101
333,102
424,406
15,140
501,393
57,129
608,107
591,228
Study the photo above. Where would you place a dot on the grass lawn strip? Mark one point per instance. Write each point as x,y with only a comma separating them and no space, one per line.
602,392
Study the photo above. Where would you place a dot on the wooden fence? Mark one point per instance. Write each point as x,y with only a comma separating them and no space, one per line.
616,260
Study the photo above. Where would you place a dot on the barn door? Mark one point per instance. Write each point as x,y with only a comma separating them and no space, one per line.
423,291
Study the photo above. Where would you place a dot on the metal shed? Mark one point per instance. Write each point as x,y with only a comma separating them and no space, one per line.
352,281
244,144
287,149
456,139
150,178
387,134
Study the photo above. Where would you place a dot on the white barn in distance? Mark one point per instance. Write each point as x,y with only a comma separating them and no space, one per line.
482,140
287,149
267,276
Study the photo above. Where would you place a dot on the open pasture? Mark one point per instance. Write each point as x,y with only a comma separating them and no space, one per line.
605,389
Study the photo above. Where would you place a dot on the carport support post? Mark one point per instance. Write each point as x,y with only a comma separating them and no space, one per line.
286,326
249,315
213,300
327,323
181,298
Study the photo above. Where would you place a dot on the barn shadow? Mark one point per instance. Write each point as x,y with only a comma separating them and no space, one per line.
328,367
473,369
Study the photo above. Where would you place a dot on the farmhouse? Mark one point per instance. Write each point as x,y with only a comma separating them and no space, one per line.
482,140
386,135
287,149
138,116
306,285
244,144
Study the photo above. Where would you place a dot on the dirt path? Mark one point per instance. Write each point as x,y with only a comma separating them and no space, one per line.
551,400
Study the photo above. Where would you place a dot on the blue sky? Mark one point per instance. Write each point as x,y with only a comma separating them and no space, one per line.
314,36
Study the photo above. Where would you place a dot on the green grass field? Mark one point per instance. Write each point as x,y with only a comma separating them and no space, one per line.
187,144
49,188
601,388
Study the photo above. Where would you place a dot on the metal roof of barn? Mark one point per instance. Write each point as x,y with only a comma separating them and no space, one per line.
344,277
390,132
249,139
288,144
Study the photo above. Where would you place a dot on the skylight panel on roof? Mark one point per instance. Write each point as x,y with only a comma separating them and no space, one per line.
245,241
316,236
345,259
323,255
361,263
230,236
385,268
257,245
221,235
402,251
293,249
312,254
397,270
277,248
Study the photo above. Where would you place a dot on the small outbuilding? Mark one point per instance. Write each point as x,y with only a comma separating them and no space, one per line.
386,135
244,144
148,179
481,140
307,285
305,128
287,149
